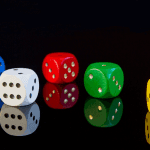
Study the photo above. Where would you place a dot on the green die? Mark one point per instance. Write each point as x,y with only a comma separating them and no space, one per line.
102,113
103,80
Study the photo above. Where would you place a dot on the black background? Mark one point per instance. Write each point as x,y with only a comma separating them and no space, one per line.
102,32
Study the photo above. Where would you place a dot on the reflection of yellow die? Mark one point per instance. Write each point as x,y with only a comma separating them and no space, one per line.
147,127
148,95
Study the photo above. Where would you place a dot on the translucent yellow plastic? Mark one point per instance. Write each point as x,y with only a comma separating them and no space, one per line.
148,95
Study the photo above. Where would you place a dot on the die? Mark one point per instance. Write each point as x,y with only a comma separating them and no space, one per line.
2,65
1,103
60,96
19,86
147,127
148,95
102,113
103,80
60,67
2,69
20,121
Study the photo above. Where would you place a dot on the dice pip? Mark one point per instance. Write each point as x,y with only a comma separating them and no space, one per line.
60,67
103,80
102,113
20,121
19,86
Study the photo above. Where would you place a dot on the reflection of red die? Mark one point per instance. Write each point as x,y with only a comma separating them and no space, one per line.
69,95
60,67
51,94
60,96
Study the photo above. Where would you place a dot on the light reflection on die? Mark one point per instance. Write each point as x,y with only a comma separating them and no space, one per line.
103,113
147,127
60,96
20,121
69,95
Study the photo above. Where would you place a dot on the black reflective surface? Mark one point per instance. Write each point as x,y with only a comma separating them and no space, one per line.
120,37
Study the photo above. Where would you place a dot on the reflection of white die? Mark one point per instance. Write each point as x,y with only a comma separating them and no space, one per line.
20,121
19,86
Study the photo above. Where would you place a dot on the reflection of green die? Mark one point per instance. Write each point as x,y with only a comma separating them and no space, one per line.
102,113
103,80
114,113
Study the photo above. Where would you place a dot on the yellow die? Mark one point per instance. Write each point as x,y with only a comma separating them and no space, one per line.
147,127
148,95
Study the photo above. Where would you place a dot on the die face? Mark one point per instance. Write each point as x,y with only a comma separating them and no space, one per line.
50,69
116,82
19,72
115,78
147,127
69,69
13,121
95,112
2,65
148,95
61,55
69,95
12,90
95,82
106,65
32,90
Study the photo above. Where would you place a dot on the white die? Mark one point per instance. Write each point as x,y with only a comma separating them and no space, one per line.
20,121
19,86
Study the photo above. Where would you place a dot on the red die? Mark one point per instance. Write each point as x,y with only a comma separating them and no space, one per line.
60,96
60,67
